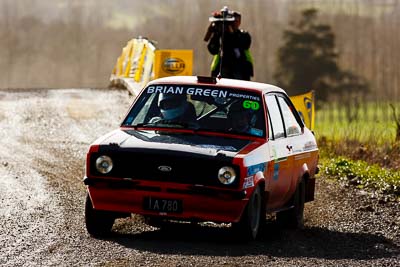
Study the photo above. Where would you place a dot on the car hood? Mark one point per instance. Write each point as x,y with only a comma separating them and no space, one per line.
185,142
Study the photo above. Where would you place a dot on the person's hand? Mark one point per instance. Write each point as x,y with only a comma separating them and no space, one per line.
211,27
211,30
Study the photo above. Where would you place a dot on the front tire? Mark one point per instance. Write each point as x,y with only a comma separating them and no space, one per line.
294,217
250,223
98,222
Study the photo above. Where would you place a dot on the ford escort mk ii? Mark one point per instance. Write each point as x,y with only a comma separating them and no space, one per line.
203,149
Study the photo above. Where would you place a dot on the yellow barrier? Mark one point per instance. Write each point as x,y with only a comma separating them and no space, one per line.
141,62
305,106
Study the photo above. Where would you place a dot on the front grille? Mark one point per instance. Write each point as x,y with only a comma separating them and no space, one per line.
186,168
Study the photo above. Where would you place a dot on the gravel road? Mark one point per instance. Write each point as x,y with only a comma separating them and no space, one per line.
44,138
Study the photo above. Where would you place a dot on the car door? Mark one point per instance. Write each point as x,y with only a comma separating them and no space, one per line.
294,141
279,170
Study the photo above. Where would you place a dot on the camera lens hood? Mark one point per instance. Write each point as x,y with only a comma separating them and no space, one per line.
227,18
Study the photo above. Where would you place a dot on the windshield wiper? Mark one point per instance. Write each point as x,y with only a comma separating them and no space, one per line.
187,125
144,124
169,123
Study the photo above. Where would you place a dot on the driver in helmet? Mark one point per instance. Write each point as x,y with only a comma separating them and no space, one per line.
174,107
239,118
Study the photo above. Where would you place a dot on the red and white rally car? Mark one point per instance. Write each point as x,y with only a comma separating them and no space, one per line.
203,149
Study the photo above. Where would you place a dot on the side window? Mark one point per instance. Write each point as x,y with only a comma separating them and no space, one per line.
291,125
276,128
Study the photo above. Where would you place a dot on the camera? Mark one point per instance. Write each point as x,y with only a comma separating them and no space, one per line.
223,15
220,20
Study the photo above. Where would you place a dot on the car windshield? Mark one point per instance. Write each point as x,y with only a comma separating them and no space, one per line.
225,110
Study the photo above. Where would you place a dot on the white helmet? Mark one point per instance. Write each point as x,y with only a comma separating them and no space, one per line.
172,106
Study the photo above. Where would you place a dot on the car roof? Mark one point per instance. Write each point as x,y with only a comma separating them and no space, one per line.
223,82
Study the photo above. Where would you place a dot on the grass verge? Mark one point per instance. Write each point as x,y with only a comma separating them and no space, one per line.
363,175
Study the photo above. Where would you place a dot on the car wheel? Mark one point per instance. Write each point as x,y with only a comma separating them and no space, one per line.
249,225
294,217
98,222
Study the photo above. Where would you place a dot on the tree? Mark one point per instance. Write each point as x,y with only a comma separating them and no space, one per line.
308,60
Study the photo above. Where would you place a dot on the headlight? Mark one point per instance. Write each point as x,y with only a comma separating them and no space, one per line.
226,175
104,164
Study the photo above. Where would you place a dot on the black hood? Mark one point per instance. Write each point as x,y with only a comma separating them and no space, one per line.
184,142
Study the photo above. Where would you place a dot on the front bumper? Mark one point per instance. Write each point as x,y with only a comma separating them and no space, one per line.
199,203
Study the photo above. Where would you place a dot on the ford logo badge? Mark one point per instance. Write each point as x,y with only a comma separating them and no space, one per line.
164,168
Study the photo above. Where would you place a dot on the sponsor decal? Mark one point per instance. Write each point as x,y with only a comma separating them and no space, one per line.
206,92
249,103
253,169
302,156
173,65
168,89
239,95
248,182
310,145
276,172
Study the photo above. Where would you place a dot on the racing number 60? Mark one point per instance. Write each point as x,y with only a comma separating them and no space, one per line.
248,104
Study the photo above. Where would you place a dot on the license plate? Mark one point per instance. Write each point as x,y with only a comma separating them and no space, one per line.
163,205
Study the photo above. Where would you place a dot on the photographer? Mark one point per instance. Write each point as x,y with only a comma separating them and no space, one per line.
229,45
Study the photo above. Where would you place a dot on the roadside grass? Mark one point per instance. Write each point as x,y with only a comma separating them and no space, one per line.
363,151
381,133
369,177
371,122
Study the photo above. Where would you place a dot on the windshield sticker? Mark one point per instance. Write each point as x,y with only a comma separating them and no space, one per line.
165,89
238,95
248,104
129,120
206,92
257,132
217,93
190,91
